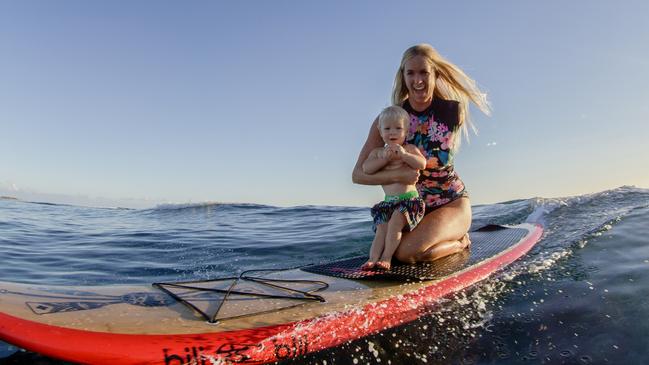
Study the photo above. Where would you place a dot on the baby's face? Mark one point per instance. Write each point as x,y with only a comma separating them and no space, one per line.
393,131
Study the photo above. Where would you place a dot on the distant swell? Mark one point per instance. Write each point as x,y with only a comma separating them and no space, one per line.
183,206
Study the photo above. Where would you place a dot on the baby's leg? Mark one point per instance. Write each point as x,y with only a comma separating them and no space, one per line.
377,247
392,238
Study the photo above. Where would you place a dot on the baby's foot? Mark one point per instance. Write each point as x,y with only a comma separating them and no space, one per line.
383,265
369,265
465,241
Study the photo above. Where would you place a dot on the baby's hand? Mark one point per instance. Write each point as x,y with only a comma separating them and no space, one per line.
396,151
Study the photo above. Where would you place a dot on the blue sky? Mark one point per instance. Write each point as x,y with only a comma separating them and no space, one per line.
135,103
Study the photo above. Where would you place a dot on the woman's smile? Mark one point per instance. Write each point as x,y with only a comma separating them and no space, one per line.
419,78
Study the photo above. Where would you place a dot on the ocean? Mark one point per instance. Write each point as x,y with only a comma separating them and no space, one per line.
581,296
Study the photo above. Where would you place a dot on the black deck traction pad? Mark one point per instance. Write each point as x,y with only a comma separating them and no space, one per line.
486,242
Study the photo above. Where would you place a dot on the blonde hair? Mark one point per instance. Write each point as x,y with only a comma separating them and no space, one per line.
451,83
394,112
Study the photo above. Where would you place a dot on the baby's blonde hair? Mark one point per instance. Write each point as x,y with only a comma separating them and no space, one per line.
451,83
394,112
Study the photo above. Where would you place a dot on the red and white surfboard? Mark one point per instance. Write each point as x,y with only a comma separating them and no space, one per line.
140,325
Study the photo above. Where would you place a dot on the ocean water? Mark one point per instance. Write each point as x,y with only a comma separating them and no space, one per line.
581,296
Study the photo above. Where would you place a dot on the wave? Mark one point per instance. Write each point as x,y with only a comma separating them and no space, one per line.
207,204
216,235
262,209
571,222
545,211
509,212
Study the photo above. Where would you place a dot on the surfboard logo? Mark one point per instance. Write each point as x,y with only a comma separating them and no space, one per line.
47,308
228,353
72,301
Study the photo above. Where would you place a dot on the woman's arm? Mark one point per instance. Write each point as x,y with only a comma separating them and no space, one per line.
403,175
375,161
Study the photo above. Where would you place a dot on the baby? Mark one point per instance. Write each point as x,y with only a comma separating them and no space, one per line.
402,206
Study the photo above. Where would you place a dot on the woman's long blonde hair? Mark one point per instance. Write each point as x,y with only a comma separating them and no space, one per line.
451,83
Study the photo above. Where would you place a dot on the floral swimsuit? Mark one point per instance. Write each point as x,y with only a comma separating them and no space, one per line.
434,132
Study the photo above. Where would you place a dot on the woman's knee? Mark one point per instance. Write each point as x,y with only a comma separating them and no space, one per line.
404,256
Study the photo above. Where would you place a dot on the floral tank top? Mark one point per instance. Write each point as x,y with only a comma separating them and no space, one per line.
434,132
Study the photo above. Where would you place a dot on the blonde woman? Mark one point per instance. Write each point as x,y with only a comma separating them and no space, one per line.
436,94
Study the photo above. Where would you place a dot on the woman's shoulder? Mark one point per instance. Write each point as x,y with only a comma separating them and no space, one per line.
447,111
440,103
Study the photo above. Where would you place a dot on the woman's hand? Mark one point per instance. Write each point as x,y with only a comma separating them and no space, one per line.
407,175
404,175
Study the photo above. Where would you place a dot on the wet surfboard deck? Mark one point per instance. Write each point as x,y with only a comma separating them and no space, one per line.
259,317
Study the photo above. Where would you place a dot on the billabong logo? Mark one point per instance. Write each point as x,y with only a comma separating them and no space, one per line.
228,353
193,356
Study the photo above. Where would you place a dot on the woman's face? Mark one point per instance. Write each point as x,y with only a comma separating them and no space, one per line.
419,77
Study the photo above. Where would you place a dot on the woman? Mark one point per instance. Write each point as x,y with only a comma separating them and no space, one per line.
436,94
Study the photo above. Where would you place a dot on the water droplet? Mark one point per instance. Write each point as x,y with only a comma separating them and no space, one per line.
566,353
585,359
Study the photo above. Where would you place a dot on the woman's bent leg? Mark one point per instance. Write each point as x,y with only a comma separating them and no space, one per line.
441,233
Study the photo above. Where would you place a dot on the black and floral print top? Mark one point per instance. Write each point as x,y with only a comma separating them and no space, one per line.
435,131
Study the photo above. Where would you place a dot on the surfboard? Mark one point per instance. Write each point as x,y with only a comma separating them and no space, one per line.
257,317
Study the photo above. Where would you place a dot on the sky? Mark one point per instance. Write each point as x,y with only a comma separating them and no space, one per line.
138,103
